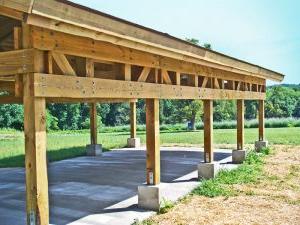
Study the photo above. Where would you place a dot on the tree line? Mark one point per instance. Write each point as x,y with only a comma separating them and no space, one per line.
282,101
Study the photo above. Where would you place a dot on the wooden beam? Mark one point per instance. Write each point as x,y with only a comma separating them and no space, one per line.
178,78
74,45
261,120
53,86
11,13
18,45
127,72
90,72
216,83
8,86
208,131
153,146
240,123
17,62
133,123
10,100
37,199
205,80
63,64
144,74
166,77
19,5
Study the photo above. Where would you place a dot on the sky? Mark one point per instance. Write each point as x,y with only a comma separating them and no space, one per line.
263,32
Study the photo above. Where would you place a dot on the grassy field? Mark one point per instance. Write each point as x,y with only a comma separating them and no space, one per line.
265,189
67,144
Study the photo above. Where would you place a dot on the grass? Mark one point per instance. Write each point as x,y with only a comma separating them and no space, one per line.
68,144
249,172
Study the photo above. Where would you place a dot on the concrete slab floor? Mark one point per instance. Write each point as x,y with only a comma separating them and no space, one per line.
101,190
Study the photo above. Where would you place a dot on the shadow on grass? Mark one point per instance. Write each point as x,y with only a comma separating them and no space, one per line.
52,155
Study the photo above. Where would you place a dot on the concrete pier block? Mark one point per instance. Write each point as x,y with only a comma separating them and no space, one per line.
239,156
94,150
149,197
208,170
133,142
261,144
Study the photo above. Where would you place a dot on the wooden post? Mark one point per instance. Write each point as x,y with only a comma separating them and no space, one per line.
240,124
133,119
152,136
261,120
90,72
37,199
208,131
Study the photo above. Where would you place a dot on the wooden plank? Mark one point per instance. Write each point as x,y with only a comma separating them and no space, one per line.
166,77
8,86
178,78
261,120
127,72
88,100
11,13
35,156
37,199
17,62
152,139
124,33
18,45
144,74
11,100
205,80
63,64
240,123
208,131
216,83
73,45
54,86
133,122
19,5
90,72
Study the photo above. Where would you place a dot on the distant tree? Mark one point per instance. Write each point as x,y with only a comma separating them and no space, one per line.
207,45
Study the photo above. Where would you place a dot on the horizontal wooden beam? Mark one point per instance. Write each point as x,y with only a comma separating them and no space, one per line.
11,100
19,5
4,11
48,40
8,86
53,86
17,62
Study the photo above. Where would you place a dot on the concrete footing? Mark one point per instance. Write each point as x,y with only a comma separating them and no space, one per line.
238,156
133,142
94,150
208,170
149,197
260,145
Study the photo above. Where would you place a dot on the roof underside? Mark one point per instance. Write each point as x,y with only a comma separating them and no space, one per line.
80,16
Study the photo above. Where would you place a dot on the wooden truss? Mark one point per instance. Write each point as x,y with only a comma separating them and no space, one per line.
48,55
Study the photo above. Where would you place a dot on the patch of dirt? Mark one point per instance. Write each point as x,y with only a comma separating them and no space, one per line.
274,199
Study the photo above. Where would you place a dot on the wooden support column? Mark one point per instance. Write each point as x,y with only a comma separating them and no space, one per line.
90,72
261,120
240,124
37,200
153,145
208,131
133,119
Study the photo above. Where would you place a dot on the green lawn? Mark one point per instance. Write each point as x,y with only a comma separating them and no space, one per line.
62,145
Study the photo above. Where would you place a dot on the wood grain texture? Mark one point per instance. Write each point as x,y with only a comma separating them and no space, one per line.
152,141
240,123
133,122
261,120
54,86
208,131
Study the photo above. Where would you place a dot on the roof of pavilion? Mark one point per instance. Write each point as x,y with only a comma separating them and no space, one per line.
50,13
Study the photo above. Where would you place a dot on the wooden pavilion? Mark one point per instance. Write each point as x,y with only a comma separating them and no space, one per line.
60,52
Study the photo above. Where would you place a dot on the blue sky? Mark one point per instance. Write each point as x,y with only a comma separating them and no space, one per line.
263,32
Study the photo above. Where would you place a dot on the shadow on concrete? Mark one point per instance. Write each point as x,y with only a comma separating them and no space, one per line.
88,185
